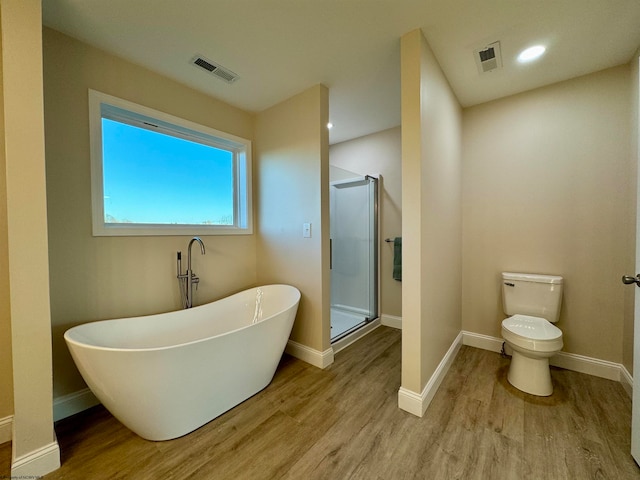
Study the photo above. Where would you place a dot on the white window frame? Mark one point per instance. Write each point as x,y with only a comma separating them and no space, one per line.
102,105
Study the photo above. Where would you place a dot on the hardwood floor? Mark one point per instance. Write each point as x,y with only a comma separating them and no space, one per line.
5,459
343,422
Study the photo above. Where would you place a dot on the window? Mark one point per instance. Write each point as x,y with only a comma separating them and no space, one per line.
156,174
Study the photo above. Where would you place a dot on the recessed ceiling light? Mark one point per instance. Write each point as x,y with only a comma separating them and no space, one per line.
329,125
531,53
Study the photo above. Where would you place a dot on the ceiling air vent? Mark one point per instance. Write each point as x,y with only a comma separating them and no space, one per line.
488,58
214,69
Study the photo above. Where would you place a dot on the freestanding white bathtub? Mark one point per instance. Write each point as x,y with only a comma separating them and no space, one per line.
165,375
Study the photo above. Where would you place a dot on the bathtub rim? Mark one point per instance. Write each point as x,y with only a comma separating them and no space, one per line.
79,344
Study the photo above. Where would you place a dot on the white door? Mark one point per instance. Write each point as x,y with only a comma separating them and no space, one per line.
635,412
635,422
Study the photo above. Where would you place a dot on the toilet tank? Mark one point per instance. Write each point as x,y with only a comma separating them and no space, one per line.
532,294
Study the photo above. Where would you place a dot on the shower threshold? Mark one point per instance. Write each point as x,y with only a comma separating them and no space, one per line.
345,322
355,334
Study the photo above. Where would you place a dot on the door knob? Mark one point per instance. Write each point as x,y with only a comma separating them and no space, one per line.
627,280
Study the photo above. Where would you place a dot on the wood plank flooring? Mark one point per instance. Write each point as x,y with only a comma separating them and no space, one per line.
344,423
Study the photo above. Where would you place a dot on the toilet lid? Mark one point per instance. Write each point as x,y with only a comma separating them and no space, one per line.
535,328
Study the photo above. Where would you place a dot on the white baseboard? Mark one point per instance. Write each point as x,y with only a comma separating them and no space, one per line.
391,321
626,380
307,354
568,361
591,366
355,336
417,404
37,463
411,402
6,429
485,342
73,403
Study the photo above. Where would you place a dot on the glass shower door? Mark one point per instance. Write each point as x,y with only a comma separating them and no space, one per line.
354,255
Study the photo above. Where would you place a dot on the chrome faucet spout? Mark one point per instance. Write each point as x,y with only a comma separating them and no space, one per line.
194,239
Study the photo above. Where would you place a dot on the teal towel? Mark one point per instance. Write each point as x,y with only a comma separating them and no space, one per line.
397,259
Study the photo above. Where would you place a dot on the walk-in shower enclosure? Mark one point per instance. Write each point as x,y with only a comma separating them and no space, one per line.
354,254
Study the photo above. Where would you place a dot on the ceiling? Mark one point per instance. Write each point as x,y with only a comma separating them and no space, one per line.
282,47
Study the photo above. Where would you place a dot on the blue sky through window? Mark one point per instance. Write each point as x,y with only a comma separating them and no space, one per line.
153,178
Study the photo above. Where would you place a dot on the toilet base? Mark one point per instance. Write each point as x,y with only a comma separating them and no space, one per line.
530,375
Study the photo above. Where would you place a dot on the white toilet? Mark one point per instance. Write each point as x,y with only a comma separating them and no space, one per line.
533,301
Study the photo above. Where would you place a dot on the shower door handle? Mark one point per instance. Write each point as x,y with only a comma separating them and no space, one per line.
330,254
627,280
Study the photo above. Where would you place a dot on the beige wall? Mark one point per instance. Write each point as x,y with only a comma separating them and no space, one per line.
380,154
547,188
110,277
431,223
6,366
27,237
292,183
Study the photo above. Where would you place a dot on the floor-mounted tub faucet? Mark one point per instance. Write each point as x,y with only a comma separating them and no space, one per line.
189,279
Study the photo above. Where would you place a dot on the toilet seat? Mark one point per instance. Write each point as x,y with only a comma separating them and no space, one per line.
532,333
